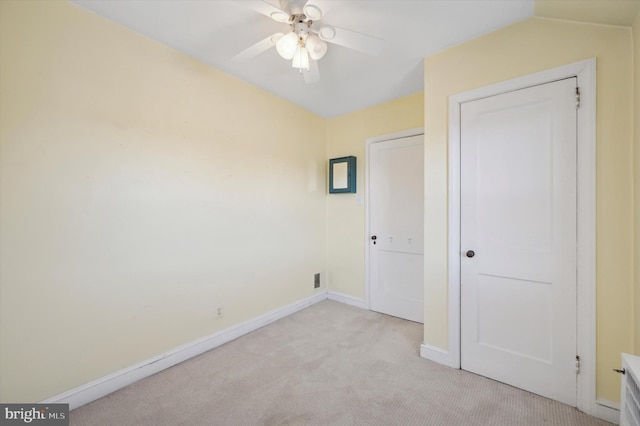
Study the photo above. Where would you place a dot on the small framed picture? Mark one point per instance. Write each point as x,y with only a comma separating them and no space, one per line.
342,175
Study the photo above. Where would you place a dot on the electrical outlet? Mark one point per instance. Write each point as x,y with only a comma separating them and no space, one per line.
316,280
219,313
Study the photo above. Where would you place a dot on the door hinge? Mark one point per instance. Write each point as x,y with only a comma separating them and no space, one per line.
577,364
577,97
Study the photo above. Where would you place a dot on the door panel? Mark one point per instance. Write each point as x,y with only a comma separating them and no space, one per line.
523,302
396,197
518,214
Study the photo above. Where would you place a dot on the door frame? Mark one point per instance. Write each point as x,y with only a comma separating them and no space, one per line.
367,252
585,71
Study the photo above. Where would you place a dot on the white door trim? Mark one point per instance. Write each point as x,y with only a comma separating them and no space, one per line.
368,142
585,71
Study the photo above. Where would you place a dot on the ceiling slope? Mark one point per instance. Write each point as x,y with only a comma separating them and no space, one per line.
213,31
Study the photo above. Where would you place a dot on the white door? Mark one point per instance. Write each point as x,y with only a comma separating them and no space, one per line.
396,216
518,238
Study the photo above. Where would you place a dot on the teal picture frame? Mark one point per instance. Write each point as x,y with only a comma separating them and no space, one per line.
342,175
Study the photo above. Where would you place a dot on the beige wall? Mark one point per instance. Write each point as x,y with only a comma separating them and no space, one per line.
527,47
346,135
636,86
607,12
140,190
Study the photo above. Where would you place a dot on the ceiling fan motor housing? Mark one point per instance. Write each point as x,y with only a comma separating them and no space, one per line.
300,25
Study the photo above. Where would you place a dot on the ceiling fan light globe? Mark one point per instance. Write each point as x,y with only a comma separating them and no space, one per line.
312,12
316,47
286,46
300,58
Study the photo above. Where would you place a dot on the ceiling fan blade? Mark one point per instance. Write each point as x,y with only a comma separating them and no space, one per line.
266,9
258,48
313,75
351,39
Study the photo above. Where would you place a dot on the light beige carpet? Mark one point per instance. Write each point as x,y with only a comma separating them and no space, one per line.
330,364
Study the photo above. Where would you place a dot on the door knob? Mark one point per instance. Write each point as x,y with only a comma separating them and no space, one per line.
470,253
374,238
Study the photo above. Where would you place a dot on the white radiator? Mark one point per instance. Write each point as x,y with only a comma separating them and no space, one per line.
630,397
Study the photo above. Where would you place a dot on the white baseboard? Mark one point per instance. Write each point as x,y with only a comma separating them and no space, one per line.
608,410
435,354
103,386
346,299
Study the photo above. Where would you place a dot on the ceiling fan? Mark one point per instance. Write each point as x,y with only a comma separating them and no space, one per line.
306,40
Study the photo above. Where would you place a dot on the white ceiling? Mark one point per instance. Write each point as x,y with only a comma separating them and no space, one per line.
213,31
